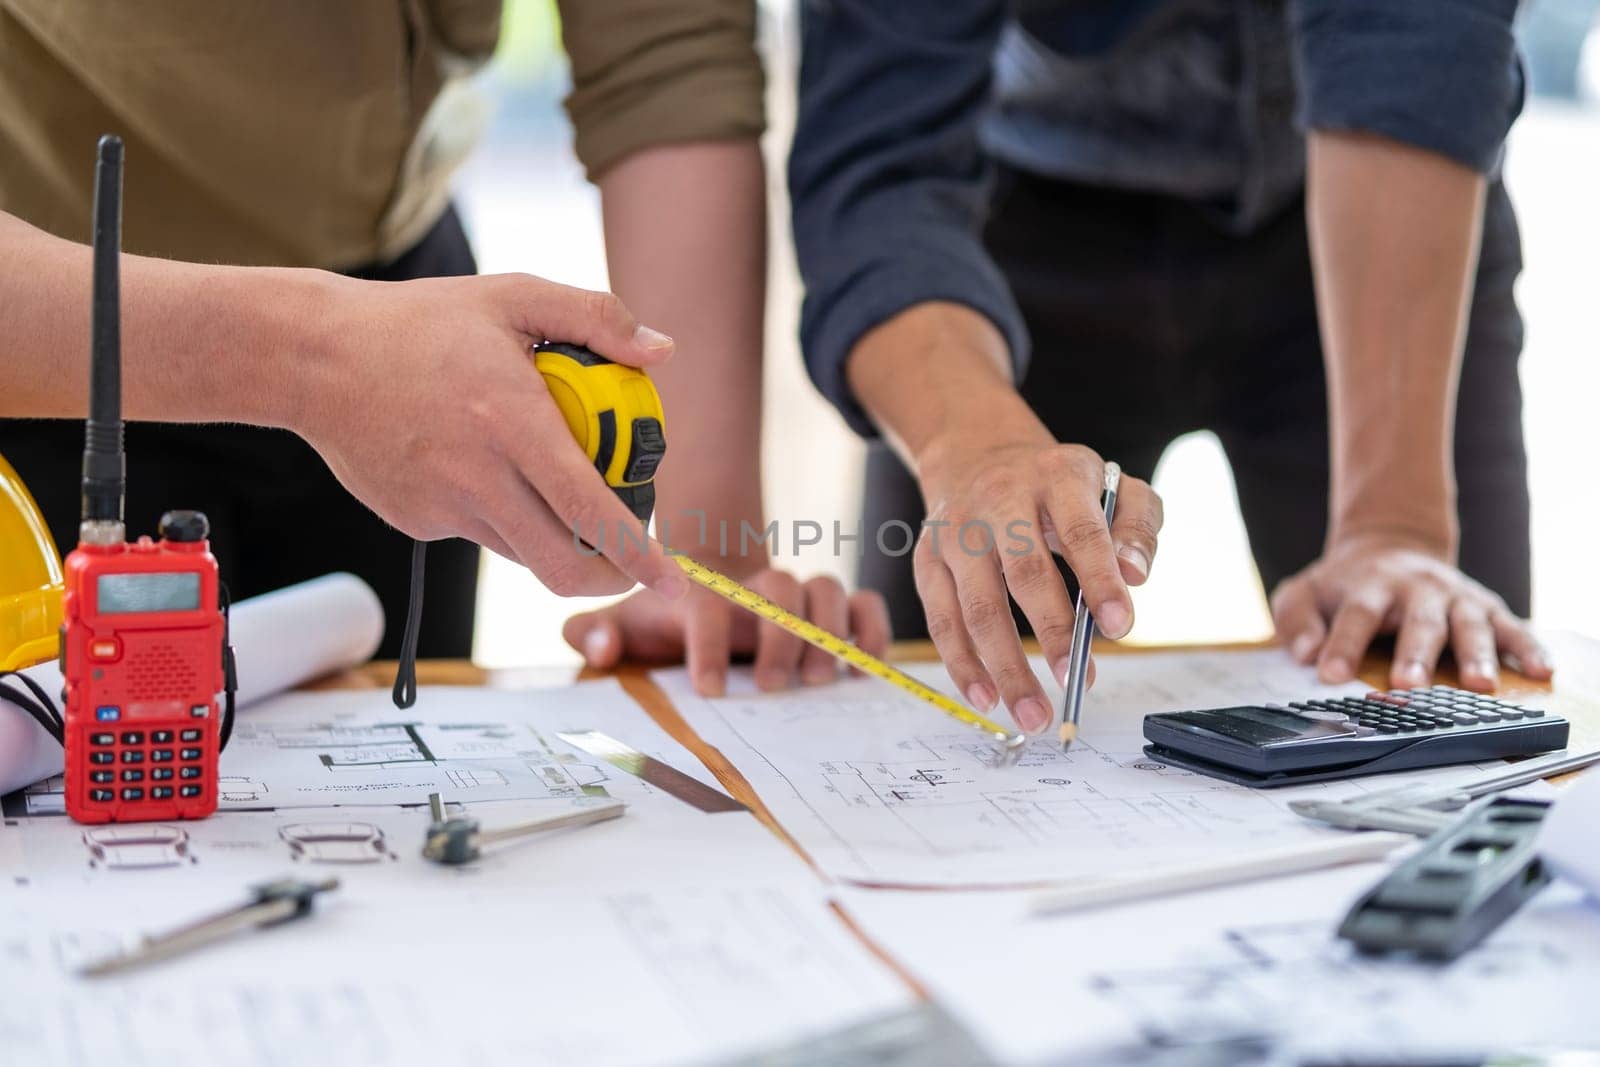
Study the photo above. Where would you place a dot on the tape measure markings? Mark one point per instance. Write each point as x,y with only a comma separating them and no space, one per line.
1011,744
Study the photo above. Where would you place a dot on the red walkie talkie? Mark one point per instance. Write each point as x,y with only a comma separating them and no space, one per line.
144,638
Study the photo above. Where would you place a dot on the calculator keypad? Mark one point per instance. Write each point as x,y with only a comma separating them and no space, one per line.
1413,711
125,763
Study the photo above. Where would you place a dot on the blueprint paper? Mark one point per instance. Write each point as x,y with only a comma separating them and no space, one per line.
1248,962
668,935
495,751
880,789
354,747
281,639
631,974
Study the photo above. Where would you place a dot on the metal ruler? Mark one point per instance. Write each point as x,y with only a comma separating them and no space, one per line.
663,776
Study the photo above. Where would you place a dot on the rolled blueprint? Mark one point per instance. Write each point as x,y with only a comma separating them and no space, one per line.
280,639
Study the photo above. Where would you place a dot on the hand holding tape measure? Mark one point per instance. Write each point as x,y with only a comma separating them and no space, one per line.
615,414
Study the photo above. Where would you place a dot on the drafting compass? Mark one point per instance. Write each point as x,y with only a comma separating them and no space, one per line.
456,839
270,904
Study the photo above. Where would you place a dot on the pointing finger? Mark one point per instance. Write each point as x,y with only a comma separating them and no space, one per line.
948,630
1355,624
1424,628
1472,641
1518,641
597,636
869,622
826,606
708,644
1297,618
1135,528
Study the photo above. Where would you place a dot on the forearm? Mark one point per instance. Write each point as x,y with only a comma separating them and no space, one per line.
964,391
200,343
1394,236
686,230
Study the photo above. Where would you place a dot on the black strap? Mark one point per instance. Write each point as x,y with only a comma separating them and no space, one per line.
43,711
405,676
39,706
230,671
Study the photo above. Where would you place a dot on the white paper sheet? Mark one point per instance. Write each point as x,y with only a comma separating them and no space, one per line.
1569,840
879,788
281,639
1255,962
469,977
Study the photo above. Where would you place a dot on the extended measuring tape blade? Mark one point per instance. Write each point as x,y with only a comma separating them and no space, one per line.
1009,743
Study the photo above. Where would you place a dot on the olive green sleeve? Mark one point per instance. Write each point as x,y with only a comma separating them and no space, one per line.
651,72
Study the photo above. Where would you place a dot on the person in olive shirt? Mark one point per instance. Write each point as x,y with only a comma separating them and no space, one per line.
275,137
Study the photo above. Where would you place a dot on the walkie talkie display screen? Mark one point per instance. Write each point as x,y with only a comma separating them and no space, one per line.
122,594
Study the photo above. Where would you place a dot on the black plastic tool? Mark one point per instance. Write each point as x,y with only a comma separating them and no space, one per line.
1467,880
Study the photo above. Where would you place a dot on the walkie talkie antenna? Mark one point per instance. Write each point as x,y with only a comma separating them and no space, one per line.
104,466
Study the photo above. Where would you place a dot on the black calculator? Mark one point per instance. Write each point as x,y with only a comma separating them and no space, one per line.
1315,740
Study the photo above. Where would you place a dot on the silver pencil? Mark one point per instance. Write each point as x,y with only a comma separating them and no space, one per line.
1083,631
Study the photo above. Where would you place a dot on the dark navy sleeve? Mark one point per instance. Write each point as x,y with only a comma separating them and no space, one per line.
1437,74
887,179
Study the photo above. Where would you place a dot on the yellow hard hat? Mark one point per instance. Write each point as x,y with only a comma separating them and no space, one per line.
30,578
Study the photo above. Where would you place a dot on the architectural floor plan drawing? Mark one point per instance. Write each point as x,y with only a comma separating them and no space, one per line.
881,789
334,780
311,752
354,748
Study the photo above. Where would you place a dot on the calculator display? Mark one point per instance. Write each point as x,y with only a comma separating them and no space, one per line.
1257,725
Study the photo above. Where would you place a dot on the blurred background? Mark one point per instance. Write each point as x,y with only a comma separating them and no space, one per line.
528,208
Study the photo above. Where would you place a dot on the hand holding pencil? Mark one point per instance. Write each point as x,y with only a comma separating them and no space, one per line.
1083,630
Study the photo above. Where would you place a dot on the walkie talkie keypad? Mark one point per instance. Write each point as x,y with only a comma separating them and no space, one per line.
142,755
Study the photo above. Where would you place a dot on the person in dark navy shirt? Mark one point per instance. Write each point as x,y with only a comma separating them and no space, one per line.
1039,235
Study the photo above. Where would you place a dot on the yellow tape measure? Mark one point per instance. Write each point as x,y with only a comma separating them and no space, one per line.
615,413
1011,744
